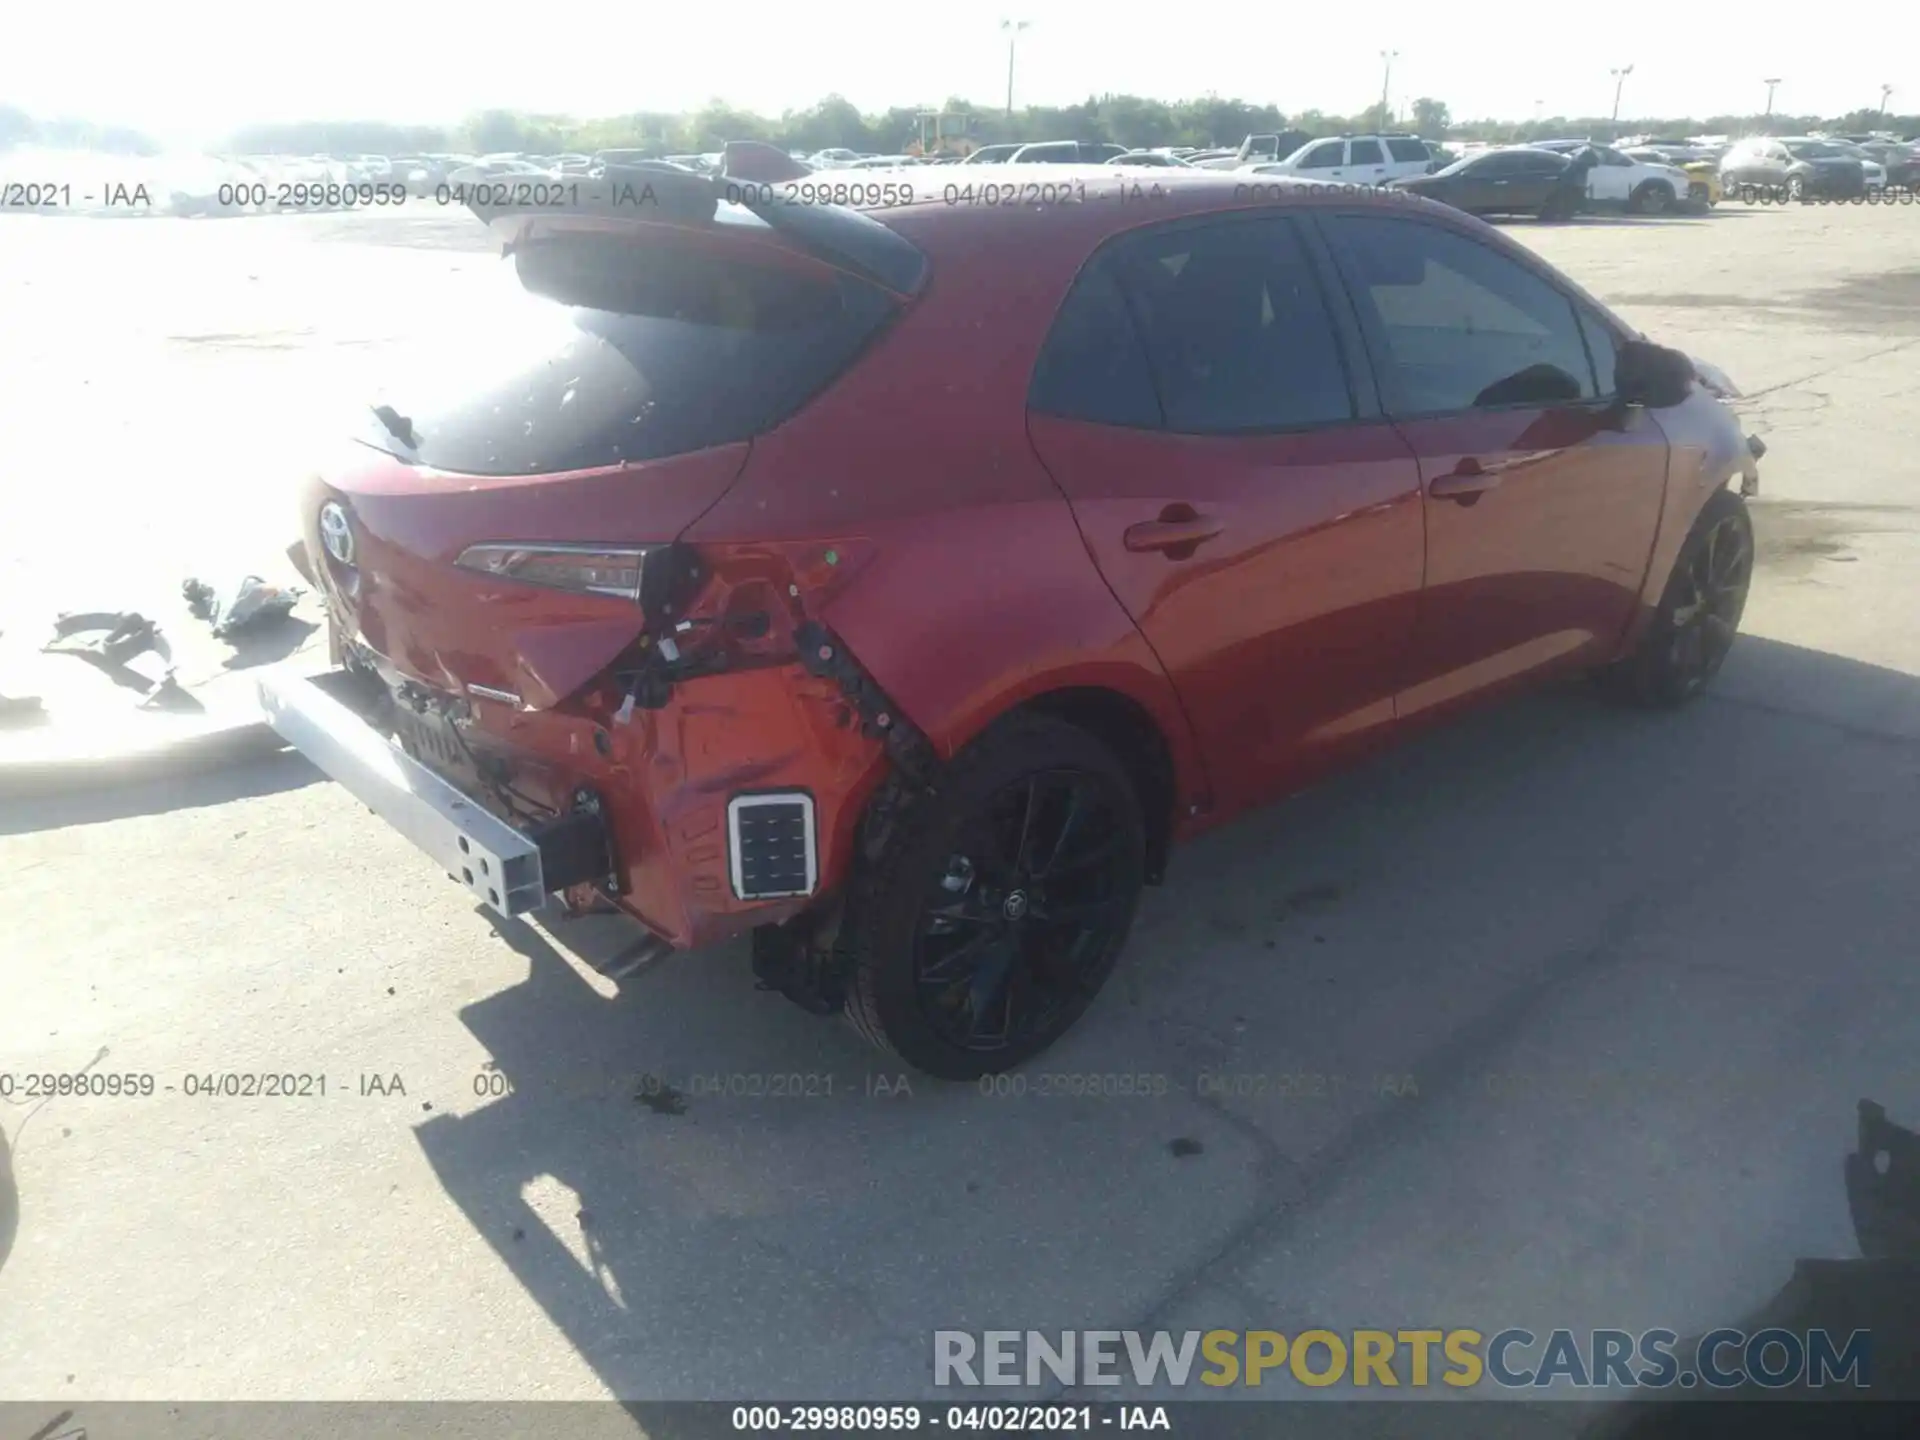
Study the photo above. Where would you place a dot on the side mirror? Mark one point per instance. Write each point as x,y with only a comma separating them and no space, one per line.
1652,375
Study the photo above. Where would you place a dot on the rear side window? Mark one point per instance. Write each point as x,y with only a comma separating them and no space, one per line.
1407,150
656,351
1236,327
1093,366
1504,162
1460,326
1365,152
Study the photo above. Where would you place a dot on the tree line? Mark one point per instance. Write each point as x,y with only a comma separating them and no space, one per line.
1129,120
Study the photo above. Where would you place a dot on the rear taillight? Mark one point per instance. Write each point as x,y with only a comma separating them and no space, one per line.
585,569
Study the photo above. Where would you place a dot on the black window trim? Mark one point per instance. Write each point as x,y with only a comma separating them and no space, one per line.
1363,394
1601,321
1375,344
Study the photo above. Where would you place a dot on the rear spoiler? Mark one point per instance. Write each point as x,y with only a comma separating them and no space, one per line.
753,179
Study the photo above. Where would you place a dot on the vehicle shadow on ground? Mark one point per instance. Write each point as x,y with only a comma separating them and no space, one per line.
714,1195
226,768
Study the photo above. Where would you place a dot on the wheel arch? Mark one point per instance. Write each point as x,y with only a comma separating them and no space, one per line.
1127,728
1705,449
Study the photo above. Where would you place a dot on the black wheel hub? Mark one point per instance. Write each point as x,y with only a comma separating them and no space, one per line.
1028,912
1706,614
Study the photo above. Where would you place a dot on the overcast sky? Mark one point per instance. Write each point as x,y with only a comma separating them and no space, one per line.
195,69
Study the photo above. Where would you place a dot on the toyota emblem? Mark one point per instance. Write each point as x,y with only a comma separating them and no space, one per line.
336,533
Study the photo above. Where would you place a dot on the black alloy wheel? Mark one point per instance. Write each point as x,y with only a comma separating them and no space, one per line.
992,919
1693,631
1715,575
1019,927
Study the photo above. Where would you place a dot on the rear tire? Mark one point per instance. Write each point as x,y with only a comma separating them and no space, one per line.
1692,632
995,916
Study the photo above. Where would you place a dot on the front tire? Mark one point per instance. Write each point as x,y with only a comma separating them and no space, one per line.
1653,198
994,918
1692,632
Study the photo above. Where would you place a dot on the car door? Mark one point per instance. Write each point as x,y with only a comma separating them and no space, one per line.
1366,162
1324,160
1485,187
1612,180
1775,163
1205,410
1536,175
1542,493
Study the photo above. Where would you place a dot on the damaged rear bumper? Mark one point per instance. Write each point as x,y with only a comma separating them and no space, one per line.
509,869
731,806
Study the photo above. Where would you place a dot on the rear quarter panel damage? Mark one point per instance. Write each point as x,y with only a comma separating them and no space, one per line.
672,771
974,590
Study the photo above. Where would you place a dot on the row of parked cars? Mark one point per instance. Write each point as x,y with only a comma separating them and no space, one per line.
1646,174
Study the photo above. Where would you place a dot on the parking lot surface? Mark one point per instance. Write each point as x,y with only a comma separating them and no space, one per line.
1557,1018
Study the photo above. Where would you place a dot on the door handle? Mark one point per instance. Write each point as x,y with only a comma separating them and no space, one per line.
1468,482
1171,535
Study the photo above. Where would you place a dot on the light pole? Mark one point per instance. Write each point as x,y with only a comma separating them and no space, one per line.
1619,80
1012,29
1885,91
1387,57
1770,84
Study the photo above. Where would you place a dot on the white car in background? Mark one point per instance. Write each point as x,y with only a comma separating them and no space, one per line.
1354,159
495,168
1640,186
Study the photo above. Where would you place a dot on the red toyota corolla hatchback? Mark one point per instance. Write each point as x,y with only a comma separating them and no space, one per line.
900,580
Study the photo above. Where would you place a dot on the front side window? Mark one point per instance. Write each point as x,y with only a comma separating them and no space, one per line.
1458,325
1323,156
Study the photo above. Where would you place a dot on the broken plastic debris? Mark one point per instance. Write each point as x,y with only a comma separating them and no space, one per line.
254,603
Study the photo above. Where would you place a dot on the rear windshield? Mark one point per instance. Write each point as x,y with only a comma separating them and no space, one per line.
672,352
